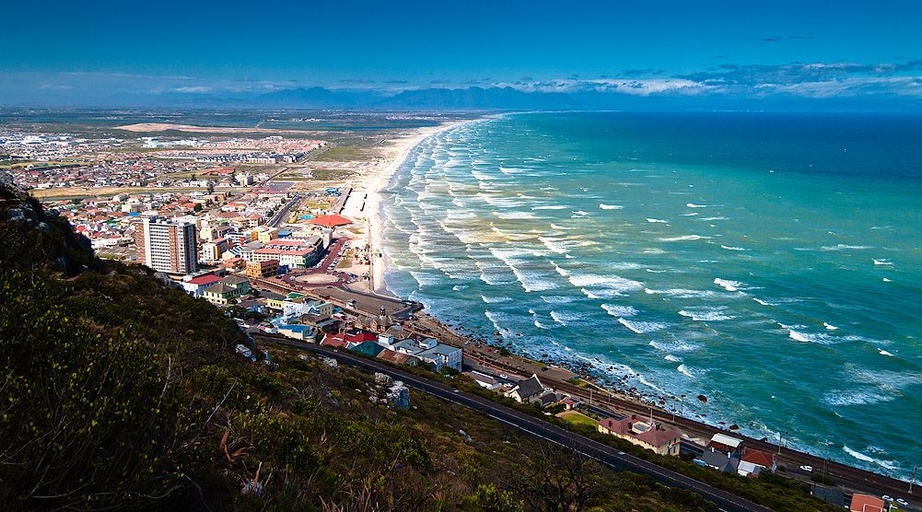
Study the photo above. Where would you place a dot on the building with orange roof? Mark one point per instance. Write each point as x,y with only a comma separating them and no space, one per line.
866,503
330,221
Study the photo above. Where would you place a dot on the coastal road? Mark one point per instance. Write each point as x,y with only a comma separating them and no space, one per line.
607,455
850,479
283,211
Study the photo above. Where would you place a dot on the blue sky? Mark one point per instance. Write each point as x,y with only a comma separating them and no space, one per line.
734,49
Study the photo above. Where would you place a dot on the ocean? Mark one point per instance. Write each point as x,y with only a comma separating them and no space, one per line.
768,262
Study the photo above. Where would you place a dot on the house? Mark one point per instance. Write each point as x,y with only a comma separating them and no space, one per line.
646,435
526,390
395,357
483,380
834,497
548,399
720,461
237,282
866,503
754,461
196,285
298,331
443,356
227,289
369,348
725,443
220,294
348,339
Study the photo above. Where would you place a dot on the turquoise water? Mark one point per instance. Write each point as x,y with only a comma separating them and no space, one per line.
769,262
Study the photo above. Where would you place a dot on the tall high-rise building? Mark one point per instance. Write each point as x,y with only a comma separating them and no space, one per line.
166,246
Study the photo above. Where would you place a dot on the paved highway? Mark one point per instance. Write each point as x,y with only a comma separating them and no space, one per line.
607,455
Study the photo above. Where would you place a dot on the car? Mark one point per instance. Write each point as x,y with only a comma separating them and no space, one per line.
902,502
808,469
886,497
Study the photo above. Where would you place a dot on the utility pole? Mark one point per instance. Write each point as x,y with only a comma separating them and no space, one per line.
913,479
780,441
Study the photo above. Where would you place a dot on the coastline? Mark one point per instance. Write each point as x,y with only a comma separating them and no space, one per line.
372,183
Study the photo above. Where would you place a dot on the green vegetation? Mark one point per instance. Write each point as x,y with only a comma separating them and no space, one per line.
342,153
578,418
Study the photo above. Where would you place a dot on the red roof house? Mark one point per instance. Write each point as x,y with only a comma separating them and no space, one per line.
330,221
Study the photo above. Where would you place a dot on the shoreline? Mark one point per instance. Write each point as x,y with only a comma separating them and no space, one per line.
373,183
379,178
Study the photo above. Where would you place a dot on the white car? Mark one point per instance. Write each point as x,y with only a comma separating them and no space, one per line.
808,469
886,497
902,502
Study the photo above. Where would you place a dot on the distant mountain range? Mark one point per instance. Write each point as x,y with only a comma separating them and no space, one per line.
486,98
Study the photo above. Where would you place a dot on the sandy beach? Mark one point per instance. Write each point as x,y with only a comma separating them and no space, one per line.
365,201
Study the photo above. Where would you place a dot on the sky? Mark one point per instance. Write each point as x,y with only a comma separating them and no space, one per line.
757,48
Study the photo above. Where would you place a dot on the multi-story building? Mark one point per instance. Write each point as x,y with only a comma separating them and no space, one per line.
291,253
267,268
166,246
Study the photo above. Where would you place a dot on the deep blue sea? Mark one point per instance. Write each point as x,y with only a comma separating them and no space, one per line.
770,262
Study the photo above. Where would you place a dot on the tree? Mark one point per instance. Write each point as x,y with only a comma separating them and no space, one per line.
558,482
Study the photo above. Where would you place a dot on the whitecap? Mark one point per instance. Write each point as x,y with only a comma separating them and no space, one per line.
424,279
557,299
884,352
555,226
854,397
596,286
709,219
830,327
566,318
764,302
495,300
681,293
726,284
579,213
554,244
611,207
533,281
549,207
638,327
539,325
657,221
731,248
843,247
685,238
886,464
672,358
887,280
620,311
515,215
693,205
684,370
706,315
883,262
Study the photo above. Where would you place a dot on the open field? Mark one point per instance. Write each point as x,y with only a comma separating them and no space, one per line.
577,418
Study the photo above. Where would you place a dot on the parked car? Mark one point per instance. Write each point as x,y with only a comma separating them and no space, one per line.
902,502
808,469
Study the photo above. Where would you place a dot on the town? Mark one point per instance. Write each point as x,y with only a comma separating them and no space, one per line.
294,259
